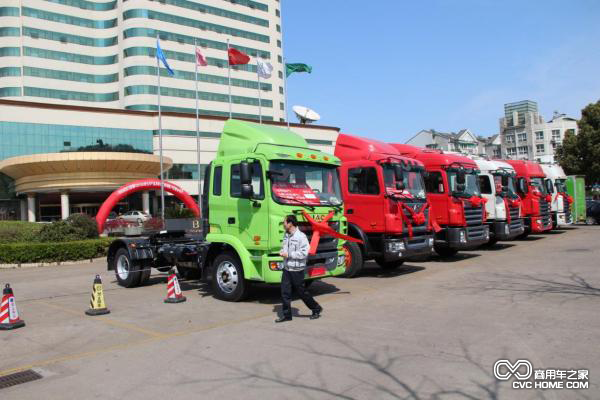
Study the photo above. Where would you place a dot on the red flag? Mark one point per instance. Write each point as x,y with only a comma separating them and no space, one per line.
237,57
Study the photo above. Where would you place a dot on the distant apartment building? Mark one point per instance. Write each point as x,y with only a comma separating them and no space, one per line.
463,141
524,134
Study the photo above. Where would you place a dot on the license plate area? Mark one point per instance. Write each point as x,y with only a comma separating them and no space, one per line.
316,271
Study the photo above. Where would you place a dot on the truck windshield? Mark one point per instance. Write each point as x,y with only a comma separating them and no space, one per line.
414,186
561,185
471,184
539,184
509,180
305,183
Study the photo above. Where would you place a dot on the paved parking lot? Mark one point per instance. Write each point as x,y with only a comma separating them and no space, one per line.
431,330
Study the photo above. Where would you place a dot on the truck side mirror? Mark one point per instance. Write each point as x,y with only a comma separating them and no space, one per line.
549,186
245,174
460,187
399,185
460,177
247,191
522,186
398,172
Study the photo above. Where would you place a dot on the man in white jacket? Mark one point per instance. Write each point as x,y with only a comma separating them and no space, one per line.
294,251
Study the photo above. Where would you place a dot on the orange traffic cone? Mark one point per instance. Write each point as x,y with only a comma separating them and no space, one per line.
9,316
173,290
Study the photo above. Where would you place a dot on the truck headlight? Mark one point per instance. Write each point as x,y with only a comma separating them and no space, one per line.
487,234
275,265
430,242
462,236
507,229
330,260
395,247
341,260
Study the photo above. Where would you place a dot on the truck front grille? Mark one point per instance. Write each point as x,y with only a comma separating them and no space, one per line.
417,229
326,243
473,215
515,220
475,233
545,212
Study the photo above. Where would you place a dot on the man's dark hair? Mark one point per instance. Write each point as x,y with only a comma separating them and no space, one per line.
291,219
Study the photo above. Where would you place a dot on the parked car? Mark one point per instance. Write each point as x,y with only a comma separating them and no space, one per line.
592,212
135,216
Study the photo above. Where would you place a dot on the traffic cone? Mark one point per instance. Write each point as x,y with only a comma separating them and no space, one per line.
173,290
9,316
97,305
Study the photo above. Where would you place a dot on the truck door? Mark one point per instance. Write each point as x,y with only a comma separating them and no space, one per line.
437,189
364,203
247,219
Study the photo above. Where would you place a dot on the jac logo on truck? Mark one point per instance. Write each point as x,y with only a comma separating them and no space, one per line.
318,217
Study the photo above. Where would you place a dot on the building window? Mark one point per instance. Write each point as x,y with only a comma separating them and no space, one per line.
281,106
510,138
278,43
363,181
539,148
496,153
279,59
555,134
522,137
431,146
278,27
511,151
280,74
277,13
280,89
539,135
522,149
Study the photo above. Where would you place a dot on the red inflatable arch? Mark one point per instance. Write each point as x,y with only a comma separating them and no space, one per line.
139,185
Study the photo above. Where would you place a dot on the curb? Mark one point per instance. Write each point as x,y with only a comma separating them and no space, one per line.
48,264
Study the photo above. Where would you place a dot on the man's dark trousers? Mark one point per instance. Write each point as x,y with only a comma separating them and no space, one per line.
294,280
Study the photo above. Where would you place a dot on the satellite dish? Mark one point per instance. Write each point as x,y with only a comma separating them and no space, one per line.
306,115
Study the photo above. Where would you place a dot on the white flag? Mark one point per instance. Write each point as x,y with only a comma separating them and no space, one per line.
264,69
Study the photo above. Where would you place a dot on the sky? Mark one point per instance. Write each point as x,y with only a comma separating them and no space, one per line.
387,69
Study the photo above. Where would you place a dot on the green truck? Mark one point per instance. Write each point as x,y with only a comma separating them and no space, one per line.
261,173
576,189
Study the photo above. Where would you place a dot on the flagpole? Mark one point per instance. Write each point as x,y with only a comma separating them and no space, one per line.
198,127
259,98
160,146
229,77
285,90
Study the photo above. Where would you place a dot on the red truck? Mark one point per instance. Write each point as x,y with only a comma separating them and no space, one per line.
385,204
535,198
452,187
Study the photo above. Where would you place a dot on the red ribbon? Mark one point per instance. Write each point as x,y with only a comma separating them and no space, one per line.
324,228
568,198
548,198
418,218
508,203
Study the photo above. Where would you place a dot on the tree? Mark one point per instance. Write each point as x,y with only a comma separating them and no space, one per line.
580,154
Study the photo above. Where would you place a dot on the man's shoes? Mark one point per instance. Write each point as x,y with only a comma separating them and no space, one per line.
283,319
316,313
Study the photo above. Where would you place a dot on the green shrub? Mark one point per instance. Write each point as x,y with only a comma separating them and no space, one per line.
15,253
178,213
85,224
59,231
19,231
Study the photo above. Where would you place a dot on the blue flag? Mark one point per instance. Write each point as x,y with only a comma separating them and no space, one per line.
161,56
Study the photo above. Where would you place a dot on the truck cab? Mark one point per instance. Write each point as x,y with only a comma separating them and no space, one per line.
561,201
261,173
452,187
503,206
535,198
386,204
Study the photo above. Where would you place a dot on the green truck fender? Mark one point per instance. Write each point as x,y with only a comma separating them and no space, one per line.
250,271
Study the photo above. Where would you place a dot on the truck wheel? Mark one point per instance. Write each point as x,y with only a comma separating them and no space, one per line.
589,220
228,281
354,259
445,251
491,242
389,264
127,274
145,274
523,235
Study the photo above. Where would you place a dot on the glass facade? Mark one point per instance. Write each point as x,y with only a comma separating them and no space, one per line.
10,31
70,95
68,38
217,11
175,19
154,107
10,71
191,94
177,132
68,19
186,171
17,139
70,57
213,44
9,11
191,76
68,75
10,52
87,5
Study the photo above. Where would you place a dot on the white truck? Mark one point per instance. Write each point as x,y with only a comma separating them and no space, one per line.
556,185
503,207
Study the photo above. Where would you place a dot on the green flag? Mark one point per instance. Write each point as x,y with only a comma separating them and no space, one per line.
298,67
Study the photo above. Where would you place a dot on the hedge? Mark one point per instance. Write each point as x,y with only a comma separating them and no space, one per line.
19,231
16,253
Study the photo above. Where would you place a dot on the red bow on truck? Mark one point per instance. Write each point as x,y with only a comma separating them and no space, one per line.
322,227
510,203
568,198
418,218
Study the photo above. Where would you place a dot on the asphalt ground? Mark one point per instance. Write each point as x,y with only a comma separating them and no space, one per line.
431,330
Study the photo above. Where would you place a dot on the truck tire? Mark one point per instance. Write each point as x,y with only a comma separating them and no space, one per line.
127,274
523,235
445,251
491,242
389,265
145,274
589,220
354,260
228,281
